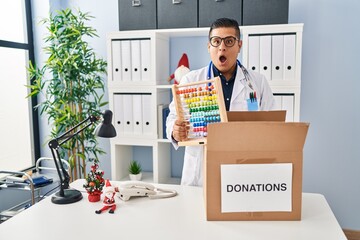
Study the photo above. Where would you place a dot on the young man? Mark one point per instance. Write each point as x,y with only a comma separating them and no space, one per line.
238,83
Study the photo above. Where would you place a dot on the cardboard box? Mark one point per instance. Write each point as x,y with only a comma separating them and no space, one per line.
253,143
263,116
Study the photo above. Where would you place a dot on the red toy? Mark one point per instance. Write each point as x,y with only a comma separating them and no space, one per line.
109,200
182,69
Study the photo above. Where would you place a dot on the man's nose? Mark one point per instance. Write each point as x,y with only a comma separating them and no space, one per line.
222,46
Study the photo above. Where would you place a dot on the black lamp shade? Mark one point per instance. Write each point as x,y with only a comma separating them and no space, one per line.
106,129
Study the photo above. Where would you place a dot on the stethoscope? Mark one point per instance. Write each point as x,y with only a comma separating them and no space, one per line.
243,69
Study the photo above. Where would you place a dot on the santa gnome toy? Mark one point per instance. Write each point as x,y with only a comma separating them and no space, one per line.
109,200
182,69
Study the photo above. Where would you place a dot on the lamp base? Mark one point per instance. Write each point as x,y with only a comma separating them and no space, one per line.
70,196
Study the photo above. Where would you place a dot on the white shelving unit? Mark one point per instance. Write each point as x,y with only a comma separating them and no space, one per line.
123,147
286,87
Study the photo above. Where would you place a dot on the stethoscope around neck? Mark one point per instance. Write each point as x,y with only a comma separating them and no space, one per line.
243,69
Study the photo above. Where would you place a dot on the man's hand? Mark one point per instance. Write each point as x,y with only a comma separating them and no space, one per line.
180,130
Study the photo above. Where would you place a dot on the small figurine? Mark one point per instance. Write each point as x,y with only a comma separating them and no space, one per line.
109,200
182,69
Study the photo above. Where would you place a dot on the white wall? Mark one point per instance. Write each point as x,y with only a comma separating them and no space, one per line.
329,98
105,20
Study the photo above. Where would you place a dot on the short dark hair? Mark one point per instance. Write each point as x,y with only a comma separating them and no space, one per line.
227,23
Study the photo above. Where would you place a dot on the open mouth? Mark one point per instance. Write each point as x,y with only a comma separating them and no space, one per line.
222,59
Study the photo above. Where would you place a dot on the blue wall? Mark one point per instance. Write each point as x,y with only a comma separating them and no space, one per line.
330,101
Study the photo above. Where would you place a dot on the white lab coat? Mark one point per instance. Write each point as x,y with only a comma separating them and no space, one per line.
193,160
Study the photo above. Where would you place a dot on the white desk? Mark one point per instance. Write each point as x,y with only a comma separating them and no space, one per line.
181,217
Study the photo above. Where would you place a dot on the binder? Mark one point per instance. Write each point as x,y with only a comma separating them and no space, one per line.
278,102
119,113
165,114
277,52
135,61
288,105
265,56
160,129
289,56
128,113
146,113
254,53
145,59
126,60
116,60
137,113
162,114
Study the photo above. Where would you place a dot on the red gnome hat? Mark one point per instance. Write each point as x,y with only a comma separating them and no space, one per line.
182,69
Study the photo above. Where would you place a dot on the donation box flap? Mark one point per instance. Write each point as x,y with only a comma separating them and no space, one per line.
257,136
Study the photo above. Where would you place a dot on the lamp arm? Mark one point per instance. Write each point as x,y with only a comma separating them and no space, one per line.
66,175
54,146
68,136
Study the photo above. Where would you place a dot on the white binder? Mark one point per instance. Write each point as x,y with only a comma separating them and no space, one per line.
278,102
116,60
137,113
254,53
277,53
160,123
148,126
289,57
265,56
128,113
145,59
288,105
126,60
119,113
135,60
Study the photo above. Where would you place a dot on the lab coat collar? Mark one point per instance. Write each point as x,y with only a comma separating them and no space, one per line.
238,85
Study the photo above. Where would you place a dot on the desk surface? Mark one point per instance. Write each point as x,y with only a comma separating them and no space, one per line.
180,217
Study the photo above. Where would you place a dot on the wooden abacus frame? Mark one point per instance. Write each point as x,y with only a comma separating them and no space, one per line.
182,111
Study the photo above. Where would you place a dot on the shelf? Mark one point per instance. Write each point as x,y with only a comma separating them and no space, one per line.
149,178
164,86
164,141
146,177
164,44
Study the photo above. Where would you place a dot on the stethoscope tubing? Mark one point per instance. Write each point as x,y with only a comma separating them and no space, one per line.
243,69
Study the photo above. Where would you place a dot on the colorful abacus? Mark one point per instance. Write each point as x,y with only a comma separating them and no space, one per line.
199,104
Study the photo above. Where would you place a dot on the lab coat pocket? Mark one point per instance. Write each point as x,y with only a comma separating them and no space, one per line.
238,105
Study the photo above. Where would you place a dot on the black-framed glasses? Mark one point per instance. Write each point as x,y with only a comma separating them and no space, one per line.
229,41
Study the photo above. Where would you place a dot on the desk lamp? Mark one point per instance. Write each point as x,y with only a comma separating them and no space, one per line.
105,130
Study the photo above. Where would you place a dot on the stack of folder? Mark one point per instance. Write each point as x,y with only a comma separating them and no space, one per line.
131,60
132,113
273,56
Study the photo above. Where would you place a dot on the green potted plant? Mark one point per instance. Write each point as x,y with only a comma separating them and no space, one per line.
71,81
135,171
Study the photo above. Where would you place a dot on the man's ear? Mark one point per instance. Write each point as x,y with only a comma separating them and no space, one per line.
240,45
208,47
